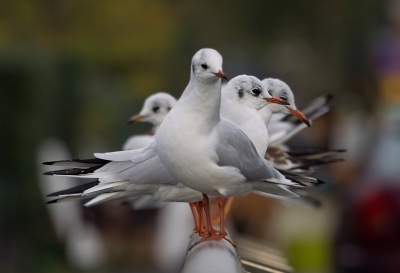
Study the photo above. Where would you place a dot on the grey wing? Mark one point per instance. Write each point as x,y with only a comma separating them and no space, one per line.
235,149
140,166
144,166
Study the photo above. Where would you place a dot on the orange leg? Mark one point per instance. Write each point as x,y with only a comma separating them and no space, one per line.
200,207
210,227
213,234
195,216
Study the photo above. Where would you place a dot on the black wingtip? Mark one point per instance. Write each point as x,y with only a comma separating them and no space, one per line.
73,190
52,195
74,171
49,163
89,161
52,201
320,182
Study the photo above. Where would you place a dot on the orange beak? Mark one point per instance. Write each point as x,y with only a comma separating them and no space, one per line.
277,101
299,115
221,75
136,118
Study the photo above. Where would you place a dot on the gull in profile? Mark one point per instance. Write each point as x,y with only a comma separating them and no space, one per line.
154,110
203,151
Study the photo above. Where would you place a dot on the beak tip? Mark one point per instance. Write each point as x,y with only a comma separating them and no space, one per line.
220,74
136,118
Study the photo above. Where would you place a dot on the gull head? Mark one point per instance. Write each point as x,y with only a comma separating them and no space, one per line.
280,89
155,108
246,90
207,66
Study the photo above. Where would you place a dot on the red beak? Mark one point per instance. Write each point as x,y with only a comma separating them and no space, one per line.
221,75
136,118
299,115
277,101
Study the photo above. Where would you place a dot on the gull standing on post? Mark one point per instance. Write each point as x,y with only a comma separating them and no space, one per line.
203,151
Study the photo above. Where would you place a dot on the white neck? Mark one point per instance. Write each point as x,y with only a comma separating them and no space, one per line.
266,113
203,100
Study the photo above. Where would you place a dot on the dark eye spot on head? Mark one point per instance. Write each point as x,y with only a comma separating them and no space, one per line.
193,68
156,108
256,92
169,108
204,66
240,93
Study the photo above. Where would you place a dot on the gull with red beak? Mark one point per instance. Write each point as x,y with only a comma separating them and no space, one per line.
242,98
203,151
154,110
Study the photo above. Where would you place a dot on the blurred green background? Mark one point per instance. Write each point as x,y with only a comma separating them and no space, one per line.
77,70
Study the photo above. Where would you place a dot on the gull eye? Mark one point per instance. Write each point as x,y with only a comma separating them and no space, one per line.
256,91
204,66
155,109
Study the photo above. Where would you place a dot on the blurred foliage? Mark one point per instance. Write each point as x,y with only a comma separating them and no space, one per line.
78,69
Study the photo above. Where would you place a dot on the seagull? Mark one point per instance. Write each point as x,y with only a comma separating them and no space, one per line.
203,151
154,110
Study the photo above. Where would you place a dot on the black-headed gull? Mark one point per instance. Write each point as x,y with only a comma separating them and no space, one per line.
203,151
154,110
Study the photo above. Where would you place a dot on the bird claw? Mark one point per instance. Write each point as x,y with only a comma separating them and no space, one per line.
215,237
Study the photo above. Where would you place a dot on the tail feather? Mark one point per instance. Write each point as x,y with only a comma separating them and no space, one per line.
74,171
75,190
314,153
273,189
68,198
105,197
78,163
301,179
306,164
107,187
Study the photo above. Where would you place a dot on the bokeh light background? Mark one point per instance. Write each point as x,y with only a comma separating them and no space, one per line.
77,70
